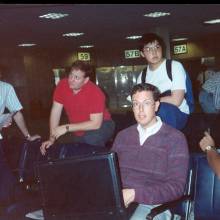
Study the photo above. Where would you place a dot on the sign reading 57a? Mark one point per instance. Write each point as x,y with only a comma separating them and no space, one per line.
179,49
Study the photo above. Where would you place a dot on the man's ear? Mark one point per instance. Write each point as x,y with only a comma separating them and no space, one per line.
86,80
157,105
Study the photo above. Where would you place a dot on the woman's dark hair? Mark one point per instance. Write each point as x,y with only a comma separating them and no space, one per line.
146,87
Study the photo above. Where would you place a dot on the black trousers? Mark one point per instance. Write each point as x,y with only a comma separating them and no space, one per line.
7,179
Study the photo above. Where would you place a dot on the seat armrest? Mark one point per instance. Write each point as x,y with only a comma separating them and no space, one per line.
168,205
131,208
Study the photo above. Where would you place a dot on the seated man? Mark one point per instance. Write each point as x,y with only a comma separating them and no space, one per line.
207,144
153,156
209,96
84,102
174,109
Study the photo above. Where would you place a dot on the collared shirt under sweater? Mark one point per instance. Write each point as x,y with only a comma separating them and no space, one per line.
157,170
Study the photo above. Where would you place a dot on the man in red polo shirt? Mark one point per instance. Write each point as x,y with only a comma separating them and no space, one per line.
84,103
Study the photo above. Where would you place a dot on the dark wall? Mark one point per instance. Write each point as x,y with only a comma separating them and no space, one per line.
30,72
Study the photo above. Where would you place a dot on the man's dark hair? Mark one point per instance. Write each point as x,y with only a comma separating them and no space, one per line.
86,67
150,38
146,87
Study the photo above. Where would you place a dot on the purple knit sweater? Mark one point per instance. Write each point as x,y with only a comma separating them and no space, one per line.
157,170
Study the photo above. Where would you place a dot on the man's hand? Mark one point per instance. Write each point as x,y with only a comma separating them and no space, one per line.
128,196
59,131
7,122
46,144
206,141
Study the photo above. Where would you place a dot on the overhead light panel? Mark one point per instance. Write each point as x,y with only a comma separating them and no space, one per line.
214,21
86,46
26,45
157,14
73,34
180,39
53,15
134,37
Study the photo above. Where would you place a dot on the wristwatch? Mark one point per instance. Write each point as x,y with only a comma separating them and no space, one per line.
67,128
208,148
27,136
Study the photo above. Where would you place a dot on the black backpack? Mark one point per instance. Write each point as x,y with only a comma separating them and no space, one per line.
189,92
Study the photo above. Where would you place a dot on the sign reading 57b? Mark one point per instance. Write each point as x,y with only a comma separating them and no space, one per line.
132,54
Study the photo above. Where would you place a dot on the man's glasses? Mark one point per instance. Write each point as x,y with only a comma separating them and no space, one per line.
151,49
144,105
75,77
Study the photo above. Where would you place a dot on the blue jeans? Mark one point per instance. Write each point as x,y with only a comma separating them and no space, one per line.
100,136
206,101
171,115
97,137
142,210
91,141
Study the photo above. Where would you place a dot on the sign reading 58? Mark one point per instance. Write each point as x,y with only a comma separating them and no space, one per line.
84,56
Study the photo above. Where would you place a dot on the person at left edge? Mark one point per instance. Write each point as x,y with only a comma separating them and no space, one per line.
207,144
8,182
84,103
9,100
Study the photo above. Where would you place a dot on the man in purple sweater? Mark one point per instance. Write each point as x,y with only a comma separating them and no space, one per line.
153,156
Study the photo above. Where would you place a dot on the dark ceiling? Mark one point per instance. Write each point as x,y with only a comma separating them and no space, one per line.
104,25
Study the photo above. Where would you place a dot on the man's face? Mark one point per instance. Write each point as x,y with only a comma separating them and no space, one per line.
77,79
152,52
144,108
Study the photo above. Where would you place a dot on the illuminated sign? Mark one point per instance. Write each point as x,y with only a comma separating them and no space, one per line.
180,49
132,54
84,56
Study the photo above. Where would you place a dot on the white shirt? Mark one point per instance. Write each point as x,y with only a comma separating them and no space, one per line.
203,76
144,133
8,99
212,85
161,80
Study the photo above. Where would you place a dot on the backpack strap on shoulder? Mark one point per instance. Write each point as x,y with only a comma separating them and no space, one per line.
143,75
169,68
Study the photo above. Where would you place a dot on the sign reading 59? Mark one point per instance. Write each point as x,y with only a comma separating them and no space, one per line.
84,56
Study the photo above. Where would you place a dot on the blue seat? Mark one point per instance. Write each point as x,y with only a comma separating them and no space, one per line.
182,205
207,190
203,194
